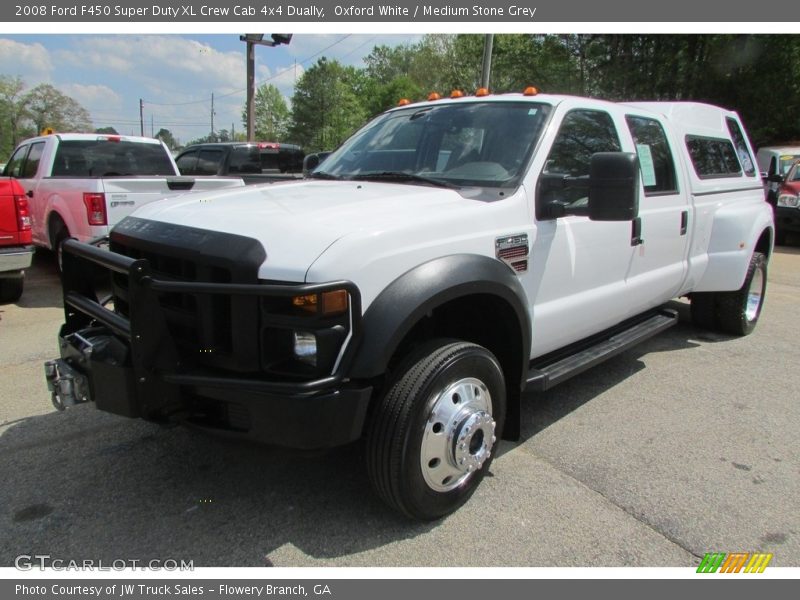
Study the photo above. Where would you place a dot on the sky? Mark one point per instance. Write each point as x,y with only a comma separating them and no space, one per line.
173,74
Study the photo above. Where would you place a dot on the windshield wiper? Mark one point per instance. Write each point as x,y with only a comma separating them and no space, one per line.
323,175
401,176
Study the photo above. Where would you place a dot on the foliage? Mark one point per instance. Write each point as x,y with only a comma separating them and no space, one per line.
165,135
12,114
271,120
47,107
325,107
26,113
753,75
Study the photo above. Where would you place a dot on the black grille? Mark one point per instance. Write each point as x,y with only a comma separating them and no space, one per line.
217,330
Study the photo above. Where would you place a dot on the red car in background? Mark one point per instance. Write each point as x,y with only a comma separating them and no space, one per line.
16,250
787,205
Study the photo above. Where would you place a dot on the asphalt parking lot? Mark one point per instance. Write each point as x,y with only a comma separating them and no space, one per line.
684,445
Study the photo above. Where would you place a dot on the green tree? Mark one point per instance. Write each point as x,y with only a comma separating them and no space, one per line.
12,113
272,118
107,131
165,135
325,107
47,107
384,96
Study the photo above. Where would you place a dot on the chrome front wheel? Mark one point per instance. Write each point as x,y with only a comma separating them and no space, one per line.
432,435
459,435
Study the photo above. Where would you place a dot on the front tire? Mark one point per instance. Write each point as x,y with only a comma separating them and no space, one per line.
433,434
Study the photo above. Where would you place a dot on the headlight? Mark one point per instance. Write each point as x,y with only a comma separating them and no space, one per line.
788,200
305,347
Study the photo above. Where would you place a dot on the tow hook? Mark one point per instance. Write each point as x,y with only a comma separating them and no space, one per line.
67,386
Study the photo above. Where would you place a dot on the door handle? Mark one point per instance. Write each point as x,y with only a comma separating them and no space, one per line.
29,193
684,222
636,232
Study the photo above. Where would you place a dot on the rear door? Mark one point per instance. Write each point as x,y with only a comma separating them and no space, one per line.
659,263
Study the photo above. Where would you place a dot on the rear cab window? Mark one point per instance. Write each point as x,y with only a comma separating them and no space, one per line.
108,158
713,158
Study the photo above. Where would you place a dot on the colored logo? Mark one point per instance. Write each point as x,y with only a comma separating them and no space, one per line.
734,562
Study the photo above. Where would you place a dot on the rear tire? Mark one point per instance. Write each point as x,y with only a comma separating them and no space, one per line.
738,312
58,234
11,288
433,434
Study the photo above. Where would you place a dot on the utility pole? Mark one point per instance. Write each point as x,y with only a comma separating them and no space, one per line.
152,128
212,113
251,90
252,39
141,117
488,42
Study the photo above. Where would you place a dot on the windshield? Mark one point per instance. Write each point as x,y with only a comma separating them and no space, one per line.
787,160
485,144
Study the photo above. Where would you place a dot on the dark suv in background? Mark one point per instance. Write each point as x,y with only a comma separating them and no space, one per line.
255,162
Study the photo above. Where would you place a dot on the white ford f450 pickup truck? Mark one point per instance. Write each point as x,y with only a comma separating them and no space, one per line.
447,257
80,184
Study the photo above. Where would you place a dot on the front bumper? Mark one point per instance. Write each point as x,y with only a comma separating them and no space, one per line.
15,258
130,364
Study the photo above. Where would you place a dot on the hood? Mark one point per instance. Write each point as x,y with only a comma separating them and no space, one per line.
297,221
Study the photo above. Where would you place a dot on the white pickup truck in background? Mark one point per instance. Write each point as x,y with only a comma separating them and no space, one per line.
79,185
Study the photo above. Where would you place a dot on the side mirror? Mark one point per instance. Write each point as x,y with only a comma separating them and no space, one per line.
614,186
310,162
775,178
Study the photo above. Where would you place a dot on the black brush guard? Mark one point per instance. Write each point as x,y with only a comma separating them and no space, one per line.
133,366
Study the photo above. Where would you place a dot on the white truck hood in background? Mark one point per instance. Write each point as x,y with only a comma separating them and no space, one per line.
296,222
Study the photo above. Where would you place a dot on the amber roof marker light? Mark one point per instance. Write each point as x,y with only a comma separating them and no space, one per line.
530,91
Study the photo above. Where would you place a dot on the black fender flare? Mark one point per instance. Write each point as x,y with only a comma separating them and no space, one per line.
405,301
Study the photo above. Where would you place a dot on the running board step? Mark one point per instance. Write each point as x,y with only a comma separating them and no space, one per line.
544,376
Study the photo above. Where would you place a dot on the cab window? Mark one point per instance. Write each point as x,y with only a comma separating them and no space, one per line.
208,162
713,158
186,162
656,164
32,162
14,166
565,177
582,134
741,147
